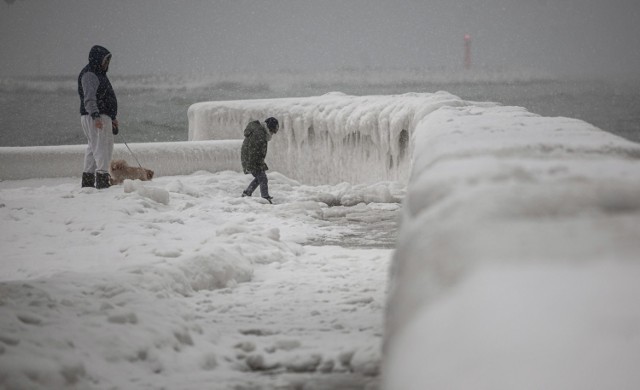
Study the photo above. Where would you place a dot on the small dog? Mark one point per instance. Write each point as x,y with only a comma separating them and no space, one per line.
120,170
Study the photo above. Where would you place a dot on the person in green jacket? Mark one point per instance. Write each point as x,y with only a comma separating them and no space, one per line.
253,153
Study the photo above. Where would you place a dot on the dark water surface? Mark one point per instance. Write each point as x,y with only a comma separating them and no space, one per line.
44,111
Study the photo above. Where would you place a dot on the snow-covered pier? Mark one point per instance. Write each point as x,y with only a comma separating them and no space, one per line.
516,263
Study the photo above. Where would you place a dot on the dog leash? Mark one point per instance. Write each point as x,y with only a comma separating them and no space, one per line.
125,144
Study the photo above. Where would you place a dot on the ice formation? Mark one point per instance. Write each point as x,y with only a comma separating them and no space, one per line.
330,138
322,140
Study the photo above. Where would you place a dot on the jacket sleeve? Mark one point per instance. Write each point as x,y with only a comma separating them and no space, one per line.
90,85
262,148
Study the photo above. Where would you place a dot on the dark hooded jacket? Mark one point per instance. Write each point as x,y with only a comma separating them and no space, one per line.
254,148
105,96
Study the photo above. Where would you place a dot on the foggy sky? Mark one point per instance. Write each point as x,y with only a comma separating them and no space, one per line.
53,37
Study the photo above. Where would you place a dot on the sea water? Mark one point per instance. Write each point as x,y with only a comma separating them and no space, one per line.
153,108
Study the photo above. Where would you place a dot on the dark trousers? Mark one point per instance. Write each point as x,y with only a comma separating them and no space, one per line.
260,179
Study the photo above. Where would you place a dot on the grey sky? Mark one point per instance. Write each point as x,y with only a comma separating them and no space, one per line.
157,36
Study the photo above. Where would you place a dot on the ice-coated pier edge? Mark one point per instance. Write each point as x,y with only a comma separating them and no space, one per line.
329,138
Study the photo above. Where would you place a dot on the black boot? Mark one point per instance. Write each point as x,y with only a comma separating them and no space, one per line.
102,180
88,179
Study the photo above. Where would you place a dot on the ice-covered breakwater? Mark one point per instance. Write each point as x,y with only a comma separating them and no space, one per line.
517,260
331,138
322,140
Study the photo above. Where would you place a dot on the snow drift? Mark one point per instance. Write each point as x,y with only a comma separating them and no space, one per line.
180,283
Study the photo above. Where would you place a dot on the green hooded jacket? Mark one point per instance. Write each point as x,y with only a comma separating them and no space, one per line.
254,148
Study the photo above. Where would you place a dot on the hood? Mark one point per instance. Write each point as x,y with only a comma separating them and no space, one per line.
251,127
254,126
97,55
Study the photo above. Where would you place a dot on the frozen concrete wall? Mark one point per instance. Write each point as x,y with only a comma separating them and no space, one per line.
166,158
518,253
331,138
322,140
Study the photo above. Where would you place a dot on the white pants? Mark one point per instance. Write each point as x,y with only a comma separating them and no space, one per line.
97,157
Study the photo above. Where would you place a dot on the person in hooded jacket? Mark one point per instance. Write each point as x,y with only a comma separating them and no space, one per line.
253,153
98,112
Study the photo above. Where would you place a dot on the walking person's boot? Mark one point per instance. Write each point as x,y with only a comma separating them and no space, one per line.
88,179
102,180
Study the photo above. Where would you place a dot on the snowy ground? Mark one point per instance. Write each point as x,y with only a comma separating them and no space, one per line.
180,283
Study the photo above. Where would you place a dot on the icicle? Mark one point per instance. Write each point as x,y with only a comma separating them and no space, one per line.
330,138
